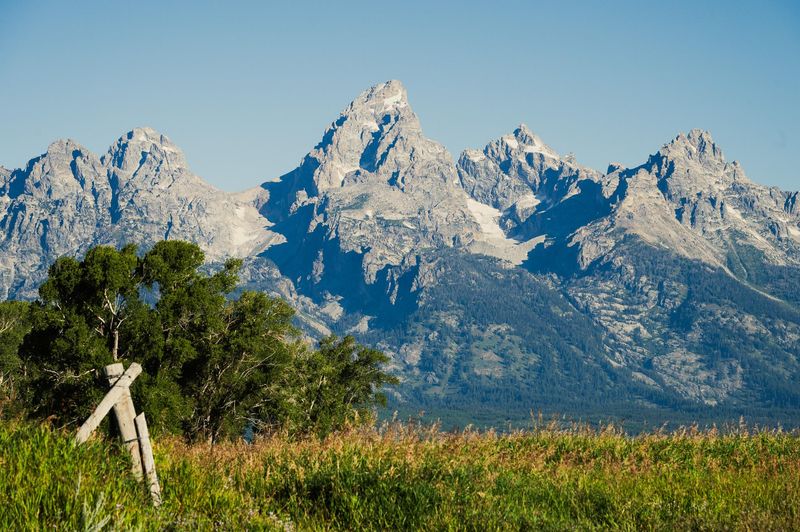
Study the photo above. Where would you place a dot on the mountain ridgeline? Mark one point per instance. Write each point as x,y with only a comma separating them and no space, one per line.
509,281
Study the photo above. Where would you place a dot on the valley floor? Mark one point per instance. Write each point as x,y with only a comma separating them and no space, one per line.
400,477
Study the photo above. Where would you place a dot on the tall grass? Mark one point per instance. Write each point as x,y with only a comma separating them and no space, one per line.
402,477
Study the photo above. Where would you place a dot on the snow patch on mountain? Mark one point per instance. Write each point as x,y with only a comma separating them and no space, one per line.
493,241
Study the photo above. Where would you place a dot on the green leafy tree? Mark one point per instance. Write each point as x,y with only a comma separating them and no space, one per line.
220,358
76,327
213,365
14,325
338,384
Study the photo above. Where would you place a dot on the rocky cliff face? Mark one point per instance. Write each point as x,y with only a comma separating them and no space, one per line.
142,191
688,199
374,187
519,173
512,279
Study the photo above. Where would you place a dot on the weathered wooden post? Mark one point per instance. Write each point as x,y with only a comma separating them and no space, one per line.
125,413
121,385
132,428
148,462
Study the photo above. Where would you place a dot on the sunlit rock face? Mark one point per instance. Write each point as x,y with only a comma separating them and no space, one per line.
374,188
141,191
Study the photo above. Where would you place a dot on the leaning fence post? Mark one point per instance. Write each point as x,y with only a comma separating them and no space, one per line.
108,402
132,429
124,412
148,462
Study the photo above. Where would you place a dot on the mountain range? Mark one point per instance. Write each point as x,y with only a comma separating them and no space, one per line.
509,281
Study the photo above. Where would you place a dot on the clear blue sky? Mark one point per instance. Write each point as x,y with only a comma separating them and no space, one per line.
247,88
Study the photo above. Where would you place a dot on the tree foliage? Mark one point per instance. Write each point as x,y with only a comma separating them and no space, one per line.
14,325
214,365
337,384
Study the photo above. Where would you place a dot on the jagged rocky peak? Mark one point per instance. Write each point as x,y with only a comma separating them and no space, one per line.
377,138
692,164
688,199
132,150
144,140
698,145
512,145
376,102
141,191
526,141
63,146
374,186
60,154
519,169
64,169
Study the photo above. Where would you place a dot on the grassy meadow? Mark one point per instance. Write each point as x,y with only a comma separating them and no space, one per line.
401,477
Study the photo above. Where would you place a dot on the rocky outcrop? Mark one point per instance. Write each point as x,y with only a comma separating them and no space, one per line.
141,191
687,198
373,193
518,173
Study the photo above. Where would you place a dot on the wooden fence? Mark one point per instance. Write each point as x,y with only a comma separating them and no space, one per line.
132,428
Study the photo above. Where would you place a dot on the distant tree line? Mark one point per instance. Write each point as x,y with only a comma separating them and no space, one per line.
214,365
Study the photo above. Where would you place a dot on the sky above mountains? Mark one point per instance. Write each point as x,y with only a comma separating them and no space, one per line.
247,88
